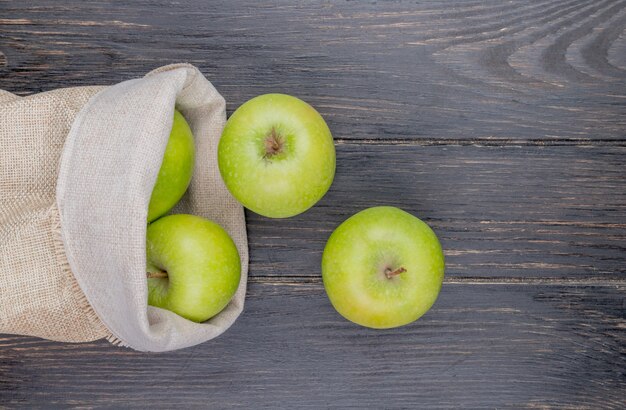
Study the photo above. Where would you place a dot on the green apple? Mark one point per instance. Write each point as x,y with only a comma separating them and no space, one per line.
193,266
382,268
176,169
277,155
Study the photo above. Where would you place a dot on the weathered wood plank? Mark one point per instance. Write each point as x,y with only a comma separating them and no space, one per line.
524,211
481,346
402,70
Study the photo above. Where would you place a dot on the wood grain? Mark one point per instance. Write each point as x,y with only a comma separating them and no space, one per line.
397,70
481,346
511,212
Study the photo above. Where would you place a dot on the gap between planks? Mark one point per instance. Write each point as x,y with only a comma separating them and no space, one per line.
460,280
486,141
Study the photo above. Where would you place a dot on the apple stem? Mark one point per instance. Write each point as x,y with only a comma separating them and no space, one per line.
273,143
153,275
391,273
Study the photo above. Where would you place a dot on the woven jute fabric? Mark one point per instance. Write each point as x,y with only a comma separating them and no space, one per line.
77,168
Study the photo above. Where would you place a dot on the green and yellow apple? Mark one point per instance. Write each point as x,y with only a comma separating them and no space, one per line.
193,266
382,268
176,169
277,155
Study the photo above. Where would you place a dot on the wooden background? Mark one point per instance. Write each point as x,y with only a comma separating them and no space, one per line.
501,124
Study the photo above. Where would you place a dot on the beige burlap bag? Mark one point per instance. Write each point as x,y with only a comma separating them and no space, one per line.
77,168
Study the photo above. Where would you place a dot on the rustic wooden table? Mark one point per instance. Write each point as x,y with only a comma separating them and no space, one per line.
501,124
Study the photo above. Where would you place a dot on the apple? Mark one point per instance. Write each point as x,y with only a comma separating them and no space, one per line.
176,169
277,155
193,266
382,268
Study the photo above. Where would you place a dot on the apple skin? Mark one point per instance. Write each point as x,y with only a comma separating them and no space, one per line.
364,249
202,265
286,182
176,169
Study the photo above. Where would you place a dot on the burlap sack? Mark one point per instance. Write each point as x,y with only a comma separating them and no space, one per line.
77,168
